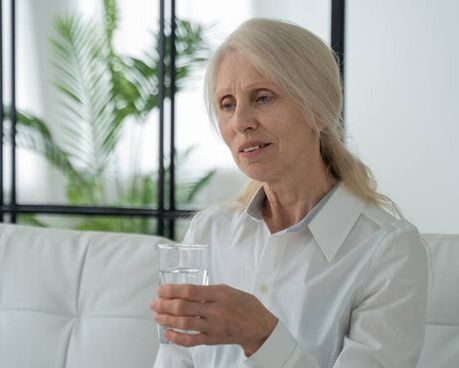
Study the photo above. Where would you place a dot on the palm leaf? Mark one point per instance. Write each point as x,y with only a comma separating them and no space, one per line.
33,134
199,185
29,219
89,126
192,50
111,18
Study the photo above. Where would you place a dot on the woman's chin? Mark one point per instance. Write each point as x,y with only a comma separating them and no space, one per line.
258,174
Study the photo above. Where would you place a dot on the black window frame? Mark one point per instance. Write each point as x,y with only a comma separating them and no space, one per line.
162,213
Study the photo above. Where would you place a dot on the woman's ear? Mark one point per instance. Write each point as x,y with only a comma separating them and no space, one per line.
317,127
316,122
319,122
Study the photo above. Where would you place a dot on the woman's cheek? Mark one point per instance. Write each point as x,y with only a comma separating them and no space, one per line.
226,135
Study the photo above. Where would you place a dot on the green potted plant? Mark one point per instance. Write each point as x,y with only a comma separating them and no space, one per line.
102,93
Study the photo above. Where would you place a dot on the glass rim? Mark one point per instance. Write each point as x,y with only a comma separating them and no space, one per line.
186,246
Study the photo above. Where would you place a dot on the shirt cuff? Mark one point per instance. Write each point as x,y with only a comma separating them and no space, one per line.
280,350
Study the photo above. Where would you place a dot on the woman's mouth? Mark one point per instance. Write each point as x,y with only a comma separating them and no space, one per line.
249,149
254,150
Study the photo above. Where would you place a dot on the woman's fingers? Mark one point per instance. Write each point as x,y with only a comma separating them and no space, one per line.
227,316
191,292
182,322
179,307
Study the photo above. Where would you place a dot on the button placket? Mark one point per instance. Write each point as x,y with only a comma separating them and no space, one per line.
268,269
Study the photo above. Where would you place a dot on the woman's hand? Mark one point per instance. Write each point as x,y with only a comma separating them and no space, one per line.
222,314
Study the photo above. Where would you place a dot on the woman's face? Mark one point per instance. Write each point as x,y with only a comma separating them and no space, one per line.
266,133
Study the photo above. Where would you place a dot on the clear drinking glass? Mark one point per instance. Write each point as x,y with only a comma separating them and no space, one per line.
182,264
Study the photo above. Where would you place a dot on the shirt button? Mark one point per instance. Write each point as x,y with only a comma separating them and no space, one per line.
264,288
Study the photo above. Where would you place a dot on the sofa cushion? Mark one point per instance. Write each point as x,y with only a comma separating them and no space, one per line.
76,299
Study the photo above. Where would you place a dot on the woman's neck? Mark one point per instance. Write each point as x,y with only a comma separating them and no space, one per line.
288,203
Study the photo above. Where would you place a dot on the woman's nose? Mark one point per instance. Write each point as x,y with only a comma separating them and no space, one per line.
244,119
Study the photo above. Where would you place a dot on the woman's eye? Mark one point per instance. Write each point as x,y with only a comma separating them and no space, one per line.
227,105
262,99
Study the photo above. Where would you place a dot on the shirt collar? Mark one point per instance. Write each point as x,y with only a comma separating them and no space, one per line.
255,206
330,221
335,220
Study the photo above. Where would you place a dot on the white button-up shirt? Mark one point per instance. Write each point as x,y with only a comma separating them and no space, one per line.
348,284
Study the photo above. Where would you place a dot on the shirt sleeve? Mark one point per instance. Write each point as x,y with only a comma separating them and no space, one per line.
281,350
388,322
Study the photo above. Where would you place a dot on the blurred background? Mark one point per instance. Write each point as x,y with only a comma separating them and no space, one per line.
86,94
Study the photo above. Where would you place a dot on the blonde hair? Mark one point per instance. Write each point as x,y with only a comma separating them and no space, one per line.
305,68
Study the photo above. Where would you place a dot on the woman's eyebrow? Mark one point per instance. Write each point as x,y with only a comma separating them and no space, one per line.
261,86
256,86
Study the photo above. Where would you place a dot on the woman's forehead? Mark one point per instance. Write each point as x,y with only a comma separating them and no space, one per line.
235,71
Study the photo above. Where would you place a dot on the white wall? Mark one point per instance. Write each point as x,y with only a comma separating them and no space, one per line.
403,103
314,15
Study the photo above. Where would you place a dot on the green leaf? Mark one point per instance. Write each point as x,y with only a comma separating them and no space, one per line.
33,134
111,18
200,184
29,219
90,126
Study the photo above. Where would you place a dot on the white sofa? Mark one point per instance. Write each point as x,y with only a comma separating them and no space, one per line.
76,299
81,300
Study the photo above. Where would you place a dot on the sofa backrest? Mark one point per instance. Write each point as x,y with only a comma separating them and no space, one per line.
441,348
76,299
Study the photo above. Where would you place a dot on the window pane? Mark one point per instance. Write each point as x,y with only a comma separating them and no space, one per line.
97,98
181,226
202,157
125,224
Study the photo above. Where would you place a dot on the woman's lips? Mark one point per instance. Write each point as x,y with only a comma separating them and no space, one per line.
253,151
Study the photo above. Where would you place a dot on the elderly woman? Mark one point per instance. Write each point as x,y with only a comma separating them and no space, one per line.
309,269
